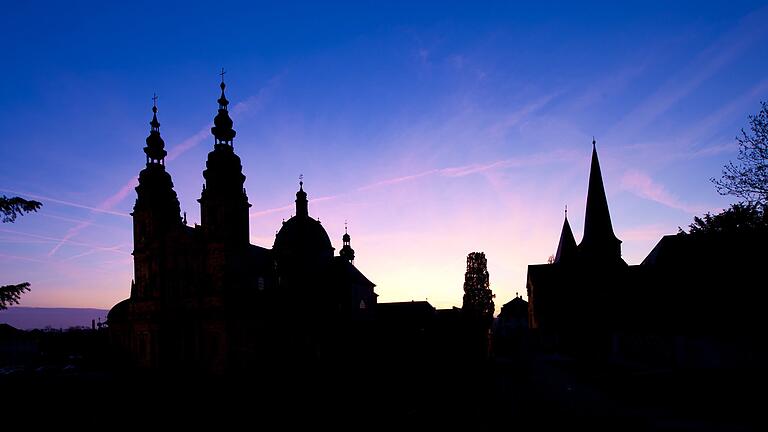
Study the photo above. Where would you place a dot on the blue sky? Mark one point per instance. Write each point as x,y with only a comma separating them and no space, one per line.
436,129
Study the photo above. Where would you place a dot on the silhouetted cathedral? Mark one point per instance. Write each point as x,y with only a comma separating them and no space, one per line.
204,298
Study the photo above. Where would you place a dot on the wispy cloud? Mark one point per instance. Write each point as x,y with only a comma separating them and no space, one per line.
514,118
105,205
642,185
66,203
644,233
456,171
608,86
690,141
705,65
271,210
58,240
92,251
21,258
396,180
189,143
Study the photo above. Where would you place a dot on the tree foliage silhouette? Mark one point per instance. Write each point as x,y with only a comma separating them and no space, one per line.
478,298
739,218
15,206
749,178
10,208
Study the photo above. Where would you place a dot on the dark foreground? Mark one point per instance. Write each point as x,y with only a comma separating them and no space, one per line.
525,392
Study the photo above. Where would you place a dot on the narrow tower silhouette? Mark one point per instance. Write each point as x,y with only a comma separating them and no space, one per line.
346,251
155,213
223,202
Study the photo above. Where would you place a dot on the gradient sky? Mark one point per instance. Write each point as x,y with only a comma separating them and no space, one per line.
435,130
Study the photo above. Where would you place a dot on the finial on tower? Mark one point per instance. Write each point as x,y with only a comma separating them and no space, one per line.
301,182
154,123
593,141
346,251
223,102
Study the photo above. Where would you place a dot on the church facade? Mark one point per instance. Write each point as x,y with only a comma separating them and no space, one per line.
577,299
205,299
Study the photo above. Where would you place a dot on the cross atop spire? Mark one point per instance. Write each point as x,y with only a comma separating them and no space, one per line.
222,75
154,101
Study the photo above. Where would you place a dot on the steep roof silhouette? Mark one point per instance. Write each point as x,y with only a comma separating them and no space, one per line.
566,249
599,241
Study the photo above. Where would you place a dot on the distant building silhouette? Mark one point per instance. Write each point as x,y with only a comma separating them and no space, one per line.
206,299
514,314
510,330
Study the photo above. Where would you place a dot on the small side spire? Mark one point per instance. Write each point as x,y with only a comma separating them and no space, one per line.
346,251
155,149
222,123
566,248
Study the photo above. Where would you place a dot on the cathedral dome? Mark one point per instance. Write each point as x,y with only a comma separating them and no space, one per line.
303,237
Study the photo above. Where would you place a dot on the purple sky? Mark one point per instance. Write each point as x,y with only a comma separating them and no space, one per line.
434,132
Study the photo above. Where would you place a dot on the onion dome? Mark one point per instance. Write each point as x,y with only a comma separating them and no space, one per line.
155,149
222,123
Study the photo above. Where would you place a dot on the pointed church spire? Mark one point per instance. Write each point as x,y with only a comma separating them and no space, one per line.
599,241
566,249
302,206
222,129
155,149
346,251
